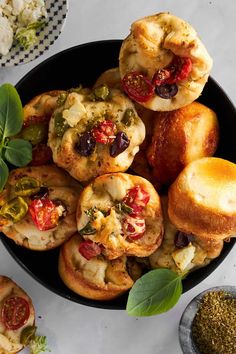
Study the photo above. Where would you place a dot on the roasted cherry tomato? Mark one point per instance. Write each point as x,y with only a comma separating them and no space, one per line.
15,312
44,213
134,227
137,86
89,249
136,198
104,132
180,69
41,155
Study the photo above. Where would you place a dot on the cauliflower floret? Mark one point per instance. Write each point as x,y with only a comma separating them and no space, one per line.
32,12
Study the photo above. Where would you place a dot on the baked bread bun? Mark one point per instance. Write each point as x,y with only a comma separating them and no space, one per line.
95,278
110,77
38,207
122,213
173,63
179,137
17,313
181,252
95,133
202,200
37,113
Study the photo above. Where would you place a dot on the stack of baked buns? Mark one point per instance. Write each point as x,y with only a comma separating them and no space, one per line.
104,156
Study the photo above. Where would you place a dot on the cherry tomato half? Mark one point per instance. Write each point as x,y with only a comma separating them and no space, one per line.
136,198
104,132
180,69
89,249
137,86
134,227
41,155
15,312
44,213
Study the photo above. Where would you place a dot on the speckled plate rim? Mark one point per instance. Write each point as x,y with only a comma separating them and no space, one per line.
57,12
185,324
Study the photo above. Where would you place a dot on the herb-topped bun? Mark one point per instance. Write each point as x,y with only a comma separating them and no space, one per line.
202,200
95,132
92,275
182,252
110,77
38,207
17,317
180,137
163,63
121,214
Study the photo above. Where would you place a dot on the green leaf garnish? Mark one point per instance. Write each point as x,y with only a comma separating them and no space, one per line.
4,172
155,292
19,152
16,151
123,208
11,112
88,230
38,345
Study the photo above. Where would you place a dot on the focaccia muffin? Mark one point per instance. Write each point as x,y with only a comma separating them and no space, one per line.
202,200
163,63
110,77
180,137
121,213
17,316
95,132
182,252
37,113
38,207
90,274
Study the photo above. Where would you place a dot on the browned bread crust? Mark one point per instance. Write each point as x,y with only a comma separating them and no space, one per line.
202,200
10,339
62,187
97,278
103,192
180,137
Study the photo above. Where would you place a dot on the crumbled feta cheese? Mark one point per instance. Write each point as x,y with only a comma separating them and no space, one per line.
6,35
184,256
76,111
16,15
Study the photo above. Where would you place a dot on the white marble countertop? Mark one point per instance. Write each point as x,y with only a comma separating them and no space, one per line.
75,329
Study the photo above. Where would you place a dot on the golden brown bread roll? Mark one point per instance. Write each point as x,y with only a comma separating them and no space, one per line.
180,137
164,44
38,207
181,252
122,213
110,77
91,135
17,313
202,200
96,278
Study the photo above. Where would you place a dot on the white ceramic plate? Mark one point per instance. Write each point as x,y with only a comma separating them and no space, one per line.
57,11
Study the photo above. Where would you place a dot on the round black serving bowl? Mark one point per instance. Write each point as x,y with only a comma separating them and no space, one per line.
83,64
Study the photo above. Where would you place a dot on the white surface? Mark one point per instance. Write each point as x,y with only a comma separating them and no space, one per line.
76,329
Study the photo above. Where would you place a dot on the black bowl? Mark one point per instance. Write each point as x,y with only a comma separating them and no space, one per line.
83,64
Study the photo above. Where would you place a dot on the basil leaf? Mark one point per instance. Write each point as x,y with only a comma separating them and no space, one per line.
18,152
4,172
11,112
155,292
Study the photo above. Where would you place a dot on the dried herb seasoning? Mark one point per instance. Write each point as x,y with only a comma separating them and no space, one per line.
214,326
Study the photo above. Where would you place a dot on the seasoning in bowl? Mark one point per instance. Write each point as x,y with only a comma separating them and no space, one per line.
214,325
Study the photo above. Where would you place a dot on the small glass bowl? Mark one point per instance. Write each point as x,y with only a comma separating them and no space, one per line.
185,325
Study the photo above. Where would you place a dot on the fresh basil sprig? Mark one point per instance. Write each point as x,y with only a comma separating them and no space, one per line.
16,151
155,292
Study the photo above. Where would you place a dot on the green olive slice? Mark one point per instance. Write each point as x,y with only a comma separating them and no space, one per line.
35,133
27,186
27,334
14,210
